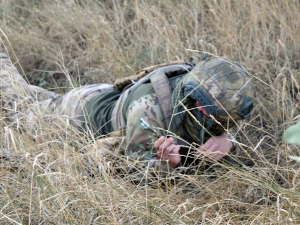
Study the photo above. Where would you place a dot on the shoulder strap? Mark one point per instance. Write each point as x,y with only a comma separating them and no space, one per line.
163,91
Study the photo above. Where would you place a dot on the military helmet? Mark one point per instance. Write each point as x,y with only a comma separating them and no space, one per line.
222,87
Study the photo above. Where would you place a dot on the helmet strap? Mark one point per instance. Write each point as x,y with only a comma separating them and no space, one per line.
202,130
204,127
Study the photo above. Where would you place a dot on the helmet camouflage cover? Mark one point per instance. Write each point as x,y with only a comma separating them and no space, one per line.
222,87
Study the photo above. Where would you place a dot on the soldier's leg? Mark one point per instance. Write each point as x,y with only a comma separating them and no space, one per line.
29,106
70,106
26,103
17,94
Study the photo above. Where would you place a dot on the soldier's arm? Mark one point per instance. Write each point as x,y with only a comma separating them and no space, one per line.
214,149
143,117
217,145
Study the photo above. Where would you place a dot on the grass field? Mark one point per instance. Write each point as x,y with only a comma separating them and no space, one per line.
59,45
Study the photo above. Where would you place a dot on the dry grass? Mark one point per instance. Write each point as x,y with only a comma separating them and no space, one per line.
49,181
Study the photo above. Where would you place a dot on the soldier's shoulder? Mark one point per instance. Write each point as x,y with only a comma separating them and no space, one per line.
146,106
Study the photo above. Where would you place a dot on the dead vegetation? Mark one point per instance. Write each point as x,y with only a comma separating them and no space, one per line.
64,178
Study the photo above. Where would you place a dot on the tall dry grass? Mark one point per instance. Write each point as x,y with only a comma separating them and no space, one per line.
63,179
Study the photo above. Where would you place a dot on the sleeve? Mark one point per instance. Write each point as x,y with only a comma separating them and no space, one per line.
144,123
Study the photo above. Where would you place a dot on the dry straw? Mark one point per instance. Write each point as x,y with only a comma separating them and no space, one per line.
59,176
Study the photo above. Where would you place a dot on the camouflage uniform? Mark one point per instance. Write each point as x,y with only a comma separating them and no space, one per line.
143,119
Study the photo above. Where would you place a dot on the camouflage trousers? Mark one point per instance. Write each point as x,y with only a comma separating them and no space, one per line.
27,105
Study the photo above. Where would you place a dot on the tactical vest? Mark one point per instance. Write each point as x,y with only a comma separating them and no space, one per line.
159,79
